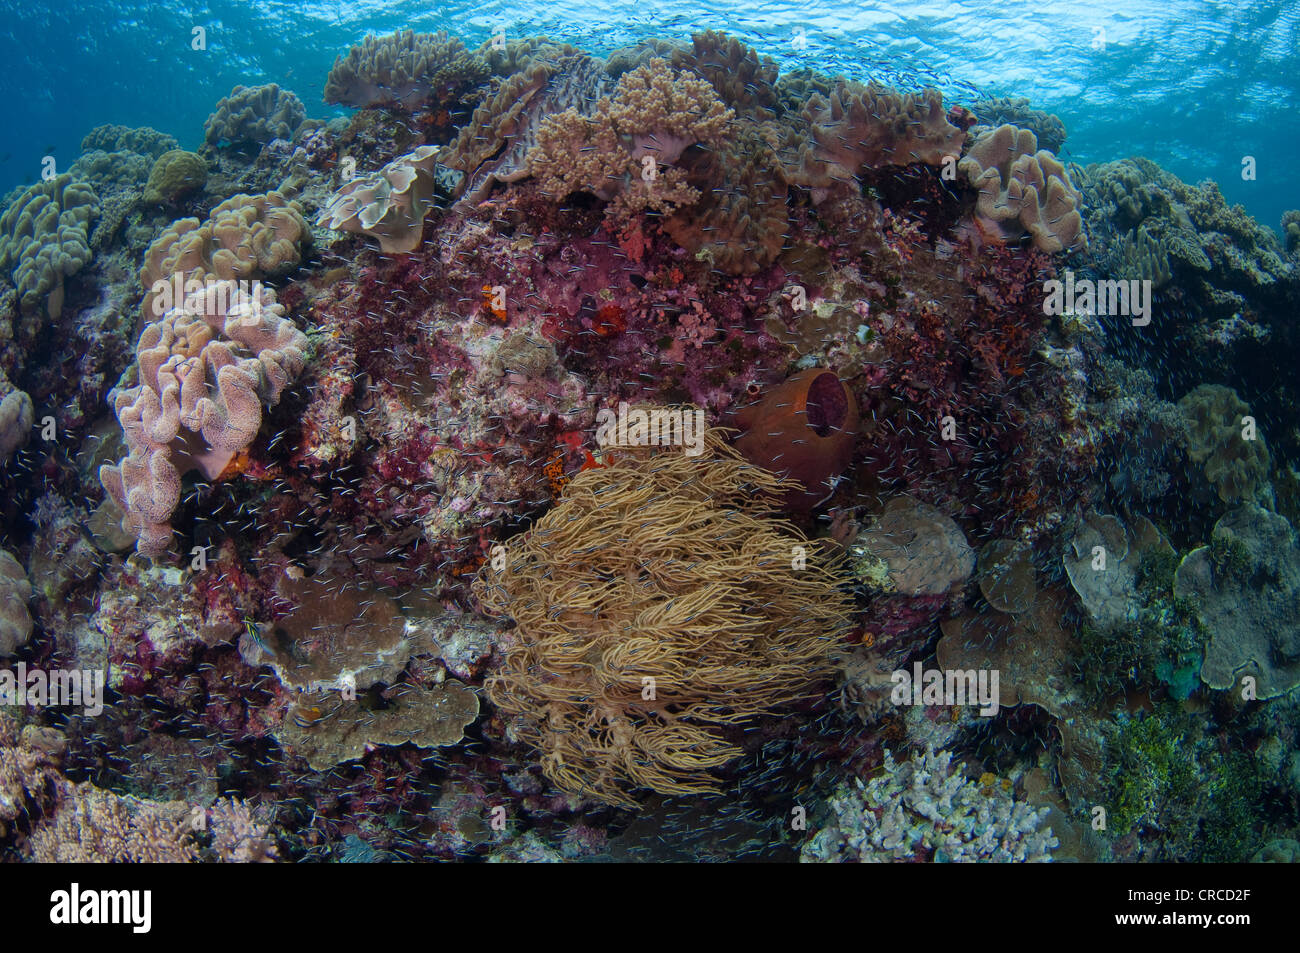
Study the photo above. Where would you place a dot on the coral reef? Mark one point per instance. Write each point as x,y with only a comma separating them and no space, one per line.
205,368
254,114
1024,190
405,69
619,594
389,205
923,809
438,599
44,239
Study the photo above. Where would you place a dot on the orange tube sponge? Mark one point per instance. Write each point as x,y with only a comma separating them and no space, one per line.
803,429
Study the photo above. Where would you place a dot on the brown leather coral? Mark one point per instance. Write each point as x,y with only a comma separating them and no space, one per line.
803,429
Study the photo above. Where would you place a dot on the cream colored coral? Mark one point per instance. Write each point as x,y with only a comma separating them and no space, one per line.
389,205
1024,189
655,605
245,237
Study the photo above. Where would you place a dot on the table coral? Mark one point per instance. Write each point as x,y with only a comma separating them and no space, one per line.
205,368
1251,605
655,605
44,239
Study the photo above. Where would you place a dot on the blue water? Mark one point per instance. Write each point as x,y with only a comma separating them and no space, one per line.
1194,84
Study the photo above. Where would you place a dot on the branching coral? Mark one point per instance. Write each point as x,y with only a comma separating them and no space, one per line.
1024,189
255,114
389,205
655,605
404,69
44,239
924,809
205,369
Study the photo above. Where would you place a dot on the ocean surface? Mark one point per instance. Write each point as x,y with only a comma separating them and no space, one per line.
1195,85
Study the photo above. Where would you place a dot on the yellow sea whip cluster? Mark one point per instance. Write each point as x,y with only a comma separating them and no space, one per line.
655,605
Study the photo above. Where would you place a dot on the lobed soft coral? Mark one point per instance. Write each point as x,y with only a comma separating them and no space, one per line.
245,237
1235,466
205,368
1024,189
44,239
404,69
389,205
254,114
859,127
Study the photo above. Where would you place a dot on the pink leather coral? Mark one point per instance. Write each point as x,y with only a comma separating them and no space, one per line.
204,371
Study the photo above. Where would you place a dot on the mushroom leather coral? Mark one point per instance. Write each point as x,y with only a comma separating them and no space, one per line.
803,429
